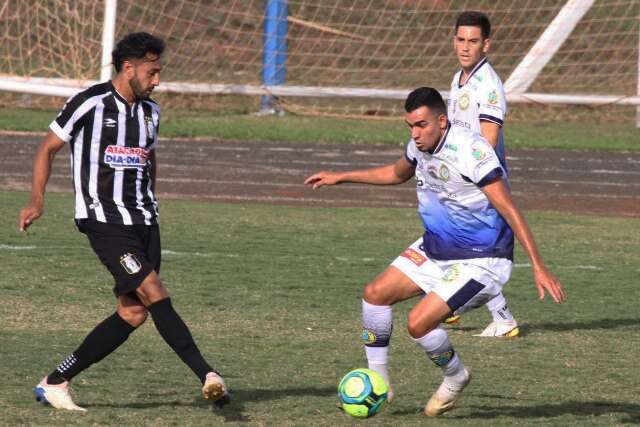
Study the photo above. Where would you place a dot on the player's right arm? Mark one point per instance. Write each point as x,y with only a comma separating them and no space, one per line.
41,171
500,197
396,173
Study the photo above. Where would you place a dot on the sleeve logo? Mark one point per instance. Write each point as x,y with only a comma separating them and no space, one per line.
478,154
493,97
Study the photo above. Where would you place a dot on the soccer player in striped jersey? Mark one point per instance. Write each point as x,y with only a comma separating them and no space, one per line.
112,132
477,102
465,255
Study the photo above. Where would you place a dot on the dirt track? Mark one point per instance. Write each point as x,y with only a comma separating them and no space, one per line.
567,181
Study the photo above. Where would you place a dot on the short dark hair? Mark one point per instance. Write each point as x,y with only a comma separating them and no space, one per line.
135,46
425,97
474,19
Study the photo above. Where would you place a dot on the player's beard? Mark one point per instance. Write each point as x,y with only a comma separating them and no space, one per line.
138,91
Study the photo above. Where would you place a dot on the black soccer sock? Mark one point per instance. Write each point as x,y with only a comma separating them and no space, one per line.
177,335
101,341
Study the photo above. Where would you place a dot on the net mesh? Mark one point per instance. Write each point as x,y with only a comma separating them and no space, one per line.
381,44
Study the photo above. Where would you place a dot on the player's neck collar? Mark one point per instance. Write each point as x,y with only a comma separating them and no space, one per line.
476,68
121,98
442,140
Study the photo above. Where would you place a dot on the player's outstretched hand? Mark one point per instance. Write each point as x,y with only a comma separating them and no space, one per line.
321,179
545,281
28,214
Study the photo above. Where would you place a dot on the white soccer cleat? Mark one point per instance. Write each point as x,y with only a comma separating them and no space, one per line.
446,396
390,394
501,329
215,389
56,395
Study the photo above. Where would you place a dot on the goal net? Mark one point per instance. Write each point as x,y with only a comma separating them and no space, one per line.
341,57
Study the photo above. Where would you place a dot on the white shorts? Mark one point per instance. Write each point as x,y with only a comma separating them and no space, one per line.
463,284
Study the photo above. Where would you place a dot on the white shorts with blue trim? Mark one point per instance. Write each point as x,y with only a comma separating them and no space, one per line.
463,284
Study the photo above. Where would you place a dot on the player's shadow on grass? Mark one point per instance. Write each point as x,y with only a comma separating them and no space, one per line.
573,326
234,411
630,411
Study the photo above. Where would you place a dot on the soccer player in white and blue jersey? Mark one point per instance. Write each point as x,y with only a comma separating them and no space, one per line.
464,257
477,102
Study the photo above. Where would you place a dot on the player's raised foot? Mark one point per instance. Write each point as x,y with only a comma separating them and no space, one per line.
501,329
453,320
56,395
446,396
214,389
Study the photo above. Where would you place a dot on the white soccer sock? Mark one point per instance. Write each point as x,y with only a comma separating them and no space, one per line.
377,321
377,358
499,309
437,346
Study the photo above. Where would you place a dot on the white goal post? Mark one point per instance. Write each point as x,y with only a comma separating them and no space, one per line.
261,48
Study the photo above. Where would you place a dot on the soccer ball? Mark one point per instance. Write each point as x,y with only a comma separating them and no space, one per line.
362,393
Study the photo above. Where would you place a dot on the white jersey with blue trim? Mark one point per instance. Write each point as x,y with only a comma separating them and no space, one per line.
480,98
459,220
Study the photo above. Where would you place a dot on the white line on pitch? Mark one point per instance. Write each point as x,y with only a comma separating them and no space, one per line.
16,248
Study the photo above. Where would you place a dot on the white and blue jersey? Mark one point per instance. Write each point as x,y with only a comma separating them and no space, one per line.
480,98
459,220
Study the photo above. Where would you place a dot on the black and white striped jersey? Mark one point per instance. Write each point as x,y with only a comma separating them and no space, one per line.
111,143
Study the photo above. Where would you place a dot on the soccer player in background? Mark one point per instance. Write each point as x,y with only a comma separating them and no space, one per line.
477,102
112,132
465,255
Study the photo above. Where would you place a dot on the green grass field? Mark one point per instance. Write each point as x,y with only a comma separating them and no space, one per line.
272,295
248,128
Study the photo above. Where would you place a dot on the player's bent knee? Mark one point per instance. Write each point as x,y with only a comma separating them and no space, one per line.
135,315
151,289
419,326
375,293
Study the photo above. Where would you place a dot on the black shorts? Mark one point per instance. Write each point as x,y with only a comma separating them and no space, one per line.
130,252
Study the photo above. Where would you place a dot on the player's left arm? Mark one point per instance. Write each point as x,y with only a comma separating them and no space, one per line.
499,196
490,131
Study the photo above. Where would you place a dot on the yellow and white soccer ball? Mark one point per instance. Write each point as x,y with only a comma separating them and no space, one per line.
362,393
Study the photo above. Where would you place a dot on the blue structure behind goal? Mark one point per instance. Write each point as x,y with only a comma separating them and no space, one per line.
274,57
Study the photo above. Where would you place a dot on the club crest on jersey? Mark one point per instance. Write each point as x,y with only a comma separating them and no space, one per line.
451,274
150,128
444,173
414,256
464,101
493,97
130,263
118,156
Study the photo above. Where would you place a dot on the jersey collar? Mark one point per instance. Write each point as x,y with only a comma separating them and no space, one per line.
476,68
442,140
